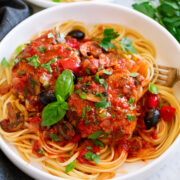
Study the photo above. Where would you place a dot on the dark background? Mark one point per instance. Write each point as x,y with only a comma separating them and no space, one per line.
10,172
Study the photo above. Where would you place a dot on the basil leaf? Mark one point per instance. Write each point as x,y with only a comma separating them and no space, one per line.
56,0
22,72
153,89
54,137
95,135
88,155
70,166
52,113
83,95
64,84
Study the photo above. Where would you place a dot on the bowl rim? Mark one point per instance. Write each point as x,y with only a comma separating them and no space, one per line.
35,172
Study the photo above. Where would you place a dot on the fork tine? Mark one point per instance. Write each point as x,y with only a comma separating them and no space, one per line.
161,67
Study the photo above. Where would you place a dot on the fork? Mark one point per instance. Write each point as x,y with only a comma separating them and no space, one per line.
167,76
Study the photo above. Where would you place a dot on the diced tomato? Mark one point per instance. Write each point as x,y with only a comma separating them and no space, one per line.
152,100
72,42
70,63
167,112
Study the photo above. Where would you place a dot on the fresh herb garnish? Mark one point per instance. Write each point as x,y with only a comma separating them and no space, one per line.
98,143
22,72
133,74
89,147
153,89
54,137
18,50
130,117
95,135
92,156
113,116
83,95
68,48
102,104
77,91
83,113
70,166
167,13
48,65
42,49
131,100
88,108
34,61
88,71
25,92
120,95
50,35
33,83
40,152
107,72
99,68
55,111
108,36
132,108
5,63
101,81
126,45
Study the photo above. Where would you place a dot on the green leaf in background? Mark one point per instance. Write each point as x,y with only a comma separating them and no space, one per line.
64,84
167,13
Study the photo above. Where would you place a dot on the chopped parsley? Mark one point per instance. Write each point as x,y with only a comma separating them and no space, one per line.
101,81
89,147
50,35
88,108
102,104
113,116
25,92
99,68
98,143
83,95
107,72
70,166
54,137
77,91
33,83
92,156
68,48
42,49
126,45
153,89
48,65
95,135
131,100
88,71
22,72
133,74
83,113
34,61
130,117
108,36
40,152
120,95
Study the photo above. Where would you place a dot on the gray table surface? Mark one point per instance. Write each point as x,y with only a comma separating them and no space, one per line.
169,171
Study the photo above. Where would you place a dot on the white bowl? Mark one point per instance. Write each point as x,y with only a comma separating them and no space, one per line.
50,3
168,52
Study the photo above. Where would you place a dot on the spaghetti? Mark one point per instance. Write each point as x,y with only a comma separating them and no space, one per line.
87,128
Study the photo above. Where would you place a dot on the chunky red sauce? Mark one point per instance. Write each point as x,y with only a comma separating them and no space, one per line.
104,101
